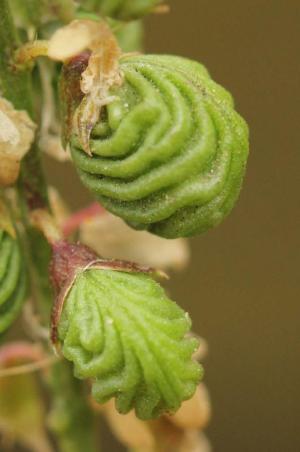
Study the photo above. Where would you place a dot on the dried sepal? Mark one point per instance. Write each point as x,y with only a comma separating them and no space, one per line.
72,39
194,413
102,71
16,136
70,93
160,435
101,74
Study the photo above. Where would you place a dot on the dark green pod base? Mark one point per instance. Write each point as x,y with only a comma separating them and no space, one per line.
169,154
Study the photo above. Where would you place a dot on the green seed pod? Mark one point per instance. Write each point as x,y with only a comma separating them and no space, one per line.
119,328
12,280
121,9
169,154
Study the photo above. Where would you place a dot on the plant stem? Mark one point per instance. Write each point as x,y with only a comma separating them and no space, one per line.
16,86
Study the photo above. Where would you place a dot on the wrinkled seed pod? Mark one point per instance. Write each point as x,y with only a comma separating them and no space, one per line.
121,330
12,280
169,153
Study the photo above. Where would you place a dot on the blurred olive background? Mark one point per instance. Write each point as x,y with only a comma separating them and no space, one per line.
242,287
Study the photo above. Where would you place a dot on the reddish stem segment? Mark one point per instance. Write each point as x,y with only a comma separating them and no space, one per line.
81,216
19,351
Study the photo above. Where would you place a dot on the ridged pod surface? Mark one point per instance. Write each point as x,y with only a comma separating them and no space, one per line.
123,9
169,155
120,330
12,280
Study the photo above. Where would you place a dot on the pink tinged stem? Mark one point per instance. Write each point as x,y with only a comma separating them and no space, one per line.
81,216
19,351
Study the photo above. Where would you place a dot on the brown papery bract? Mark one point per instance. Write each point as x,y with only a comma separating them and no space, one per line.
16,136
101,73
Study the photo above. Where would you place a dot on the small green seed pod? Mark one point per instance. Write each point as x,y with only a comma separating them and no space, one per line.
169,154
12,280
130,36
119,328
122,9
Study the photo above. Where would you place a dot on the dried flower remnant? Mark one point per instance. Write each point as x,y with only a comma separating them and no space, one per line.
70,93
101,73
72,39
16,136
194,413
160,435
119,240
